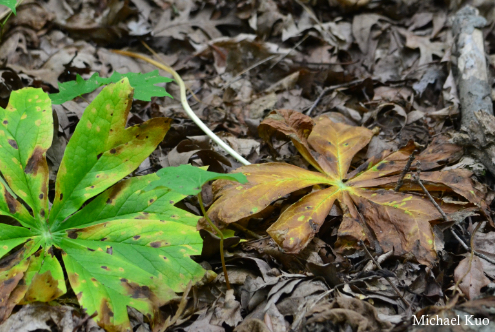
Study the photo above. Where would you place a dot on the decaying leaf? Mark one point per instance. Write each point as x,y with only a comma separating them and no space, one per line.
125,248
398,221
473,278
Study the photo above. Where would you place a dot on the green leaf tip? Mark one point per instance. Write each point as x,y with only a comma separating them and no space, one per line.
9,3
188,180
143,84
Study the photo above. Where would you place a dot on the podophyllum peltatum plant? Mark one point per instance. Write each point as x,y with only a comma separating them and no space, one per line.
373,212
127,247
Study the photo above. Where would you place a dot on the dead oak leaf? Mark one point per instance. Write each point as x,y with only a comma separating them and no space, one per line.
397,221
427,48
473,278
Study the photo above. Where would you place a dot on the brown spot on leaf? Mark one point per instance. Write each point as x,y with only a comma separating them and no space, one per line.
103,239
11,202
381,166
35,161
41,196
158,244
13,144
112,151
313,226
106,315
109,201
99,155
138,292
42,213
91,249
105,268
72,234
136,237
110,250
152,200
61,196
43,288
5,122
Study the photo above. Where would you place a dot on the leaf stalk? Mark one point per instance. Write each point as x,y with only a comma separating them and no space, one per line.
220,234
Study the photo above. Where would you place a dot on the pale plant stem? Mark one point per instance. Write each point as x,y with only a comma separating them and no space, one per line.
185,104
220,234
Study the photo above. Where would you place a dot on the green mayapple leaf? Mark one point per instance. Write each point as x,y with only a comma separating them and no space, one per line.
102,151
125,248
143,84
9,3
188,180
134,252
26,132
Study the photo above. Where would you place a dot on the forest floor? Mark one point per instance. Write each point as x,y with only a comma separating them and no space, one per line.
385,66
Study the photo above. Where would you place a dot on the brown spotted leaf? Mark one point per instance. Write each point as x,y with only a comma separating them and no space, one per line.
295,126
130,247
395,221
26,131
102,151
125,248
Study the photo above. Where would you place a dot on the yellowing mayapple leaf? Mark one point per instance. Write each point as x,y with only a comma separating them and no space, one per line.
399,221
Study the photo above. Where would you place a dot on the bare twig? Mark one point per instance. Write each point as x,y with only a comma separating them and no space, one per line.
248,69
220,234
292,49
416,177
330,88
405,170
386,278
84,320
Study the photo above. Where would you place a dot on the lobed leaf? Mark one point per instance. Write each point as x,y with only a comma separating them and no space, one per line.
12,272
138,263
130,247
26,132
127,247
266,183
188,180
143,84
473,277
337,144
298,224
295,126
44,278
127,200
392,220
90,166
